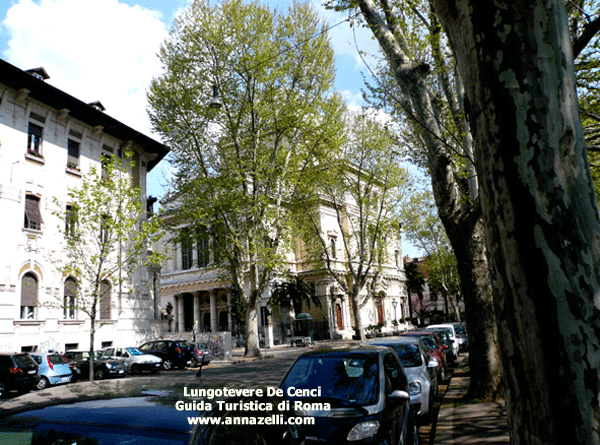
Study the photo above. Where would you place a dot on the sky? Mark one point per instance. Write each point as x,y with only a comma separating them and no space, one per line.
106,50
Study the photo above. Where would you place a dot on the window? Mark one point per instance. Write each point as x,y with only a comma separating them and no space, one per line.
332,249
71,221
203,248
29,296
105,227
104,300
186,251
34,139
70,293
73,149
33,217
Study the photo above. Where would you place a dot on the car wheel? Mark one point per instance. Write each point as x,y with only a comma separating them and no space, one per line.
99,374
194,362
43,383
167,364
135,369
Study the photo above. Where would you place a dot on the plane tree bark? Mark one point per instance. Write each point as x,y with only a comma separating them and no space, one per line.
540,211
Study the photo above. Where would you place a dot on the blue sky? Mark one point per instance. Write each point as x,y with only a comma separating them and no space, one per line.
106,50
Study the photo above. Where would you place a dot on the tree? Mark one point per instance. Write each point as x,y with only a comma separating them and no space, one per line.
423,227
239,168
294,293
415,283
363,189
418,66
540,210
106,235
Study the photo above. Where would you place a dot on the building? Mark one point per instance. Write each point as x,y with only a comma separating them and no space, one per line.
48,140
192,285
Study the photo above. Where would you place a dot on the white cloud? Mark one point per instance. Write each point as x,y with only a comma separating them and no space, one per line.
92,49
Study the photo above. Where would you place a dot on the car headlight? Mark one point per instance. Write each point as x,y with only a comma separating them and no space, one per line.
108,365
363,430
414,388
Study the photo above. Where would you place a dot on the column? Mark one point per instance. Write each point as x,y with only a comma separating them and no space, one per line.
229,320
214,326
180,317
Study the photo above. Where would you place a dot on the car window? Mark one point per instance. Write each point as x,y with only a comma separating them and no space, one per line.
146,347
23,360
57,359
409,354
134,351
349,379
394,376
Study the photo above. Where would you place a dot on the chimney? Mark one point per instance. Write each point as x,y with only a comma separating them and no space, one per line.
39,73
97,105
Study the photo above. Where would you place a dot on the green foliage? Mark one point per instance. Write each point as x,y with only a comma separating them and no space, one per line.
105,235
239,169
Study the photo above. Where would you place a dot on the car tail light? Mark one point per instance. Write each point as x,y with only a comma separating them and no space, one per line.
15,370
178,350
50,364
198,352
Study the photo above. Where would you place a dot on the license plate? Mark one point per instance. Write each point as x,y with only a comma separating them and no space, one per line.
33,371
64,379
121,371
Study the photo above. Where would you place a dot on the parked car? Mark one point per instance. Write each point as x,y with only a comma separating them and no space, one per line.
18,371
461,332
104,366
201,354
54,369
174,353
420,369
435,347
366,392
135,360
444,336
453,336
135,414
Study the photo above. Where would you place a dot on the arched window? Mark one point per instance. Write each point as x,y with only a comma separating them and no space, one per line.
29,296
338,316
104,300
70,293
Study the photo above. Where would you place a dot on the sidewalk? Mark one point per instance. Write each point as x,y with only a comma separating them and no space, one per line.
478,423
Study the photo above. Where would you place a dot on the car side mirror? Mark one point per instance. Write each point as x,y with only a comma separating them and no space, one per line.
433,364
399,395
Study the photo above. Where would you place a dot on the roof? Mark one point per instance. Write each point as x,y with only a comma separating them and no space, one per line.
39,90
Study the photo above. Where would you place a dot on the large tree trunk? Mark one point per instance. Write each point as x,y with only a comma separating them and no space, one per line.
458,215
252,346
540,211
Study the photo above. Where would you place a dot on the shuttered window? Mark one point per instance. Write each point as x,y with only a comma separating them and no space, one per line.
72,154
29,296
104,300
33,217
69,300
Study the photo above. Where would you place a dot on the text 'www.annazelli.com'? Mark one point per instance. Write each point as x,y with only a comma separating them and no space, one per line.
275,419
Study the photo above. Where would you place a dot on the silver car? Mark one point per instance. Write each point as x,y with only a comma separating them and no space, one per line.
54,369
420,368
135,360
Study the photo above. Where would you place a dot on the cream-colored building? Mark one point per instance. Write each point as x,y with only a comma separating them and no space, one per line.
201,298
48,140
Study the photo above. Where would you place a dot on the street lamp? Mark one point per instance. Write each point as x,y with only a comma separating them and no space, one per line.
215,101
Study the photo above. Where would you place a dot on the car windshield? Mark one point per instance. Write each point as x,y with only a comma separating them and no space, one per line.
134,351
353,380
429,342
201,346
409,354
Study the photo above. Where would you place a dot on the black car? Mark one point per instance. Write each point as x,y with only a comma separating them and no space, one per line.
135,414
355,395
19,372
104,366
174,353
